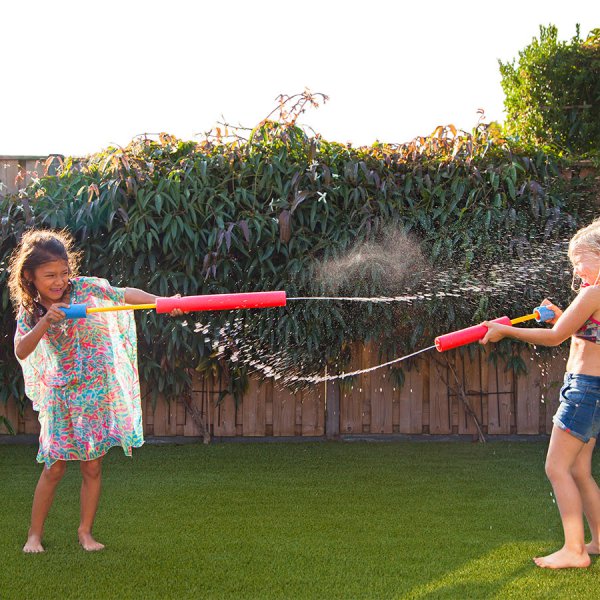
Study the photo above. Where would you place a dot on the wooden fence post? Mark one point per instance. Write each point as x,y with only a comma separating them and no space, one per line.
332,410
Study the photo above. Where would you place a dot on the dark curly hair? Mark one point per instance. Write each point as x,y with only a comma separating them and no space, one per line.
37,247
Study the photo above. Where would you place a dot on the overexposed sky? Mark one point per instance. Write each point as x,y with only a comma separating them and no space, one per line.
80,75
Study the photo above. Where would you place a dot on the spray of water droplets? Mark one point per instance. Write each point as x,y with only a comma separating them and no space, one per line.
527,276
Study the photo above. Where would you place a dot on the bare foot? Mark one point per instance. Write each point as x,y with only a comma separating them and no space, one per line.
88,543
563,559
593,548
33,544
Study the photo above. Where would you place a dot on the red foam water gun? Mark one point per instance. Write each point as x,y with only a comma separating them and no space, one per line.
189,303
473,334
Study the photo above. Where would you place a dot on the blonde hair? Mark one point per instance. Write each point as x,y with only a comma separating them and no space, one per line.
37,247
588,238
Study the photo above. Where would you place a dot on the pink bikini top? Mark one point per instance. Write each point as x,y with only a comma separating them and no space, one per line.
590,331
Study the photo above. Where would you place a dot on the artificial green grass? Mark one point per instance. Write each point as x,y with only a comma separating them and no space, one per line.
307,520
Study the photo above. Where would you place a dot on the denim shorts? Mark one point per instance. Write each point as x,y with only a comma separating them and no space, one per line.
579,410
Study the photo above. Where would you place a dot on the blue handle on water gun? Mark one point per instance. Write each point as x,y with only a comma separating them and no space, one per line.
75,311
543,314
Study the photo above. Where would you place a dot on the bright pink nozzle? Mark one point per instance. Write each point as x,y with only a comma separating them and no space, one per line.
221,301
465,336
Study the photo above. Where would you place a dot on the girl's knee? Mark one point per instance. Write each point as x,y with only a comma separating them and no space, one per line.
91,469
555,470
581,473
56,471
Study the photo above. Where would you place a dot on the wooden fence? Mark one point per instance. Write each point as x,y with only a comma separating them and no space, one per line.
16,172
443,394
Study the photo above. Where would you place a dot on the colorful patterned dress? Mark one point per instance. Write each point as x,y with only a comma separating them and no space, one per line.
83,380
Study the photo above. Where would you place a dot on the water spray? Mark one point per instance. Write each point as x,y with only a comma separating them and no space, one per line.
445,342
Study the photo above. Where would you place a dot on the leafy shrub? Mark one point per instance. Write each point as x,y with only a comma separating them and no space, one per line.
552,95
232,215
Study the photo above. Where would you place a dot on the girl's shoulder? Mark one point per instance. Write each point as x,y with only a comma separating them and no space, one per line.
85,279
84,282
590,291
589,297
97,287
23,318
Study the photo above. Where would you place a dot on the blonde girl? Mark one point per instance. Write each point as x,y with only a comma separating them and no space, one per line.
577,420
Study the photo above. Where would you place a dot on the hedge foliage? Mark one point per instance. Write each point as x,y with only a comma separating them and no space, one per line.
230,215
552,93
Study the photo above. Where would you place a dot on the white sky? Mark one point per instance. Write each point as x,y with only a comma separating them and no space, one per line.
79,75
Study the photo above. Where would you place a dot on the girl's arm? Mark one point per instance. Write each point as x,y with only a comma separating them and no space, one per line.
578,312
135,296
28,343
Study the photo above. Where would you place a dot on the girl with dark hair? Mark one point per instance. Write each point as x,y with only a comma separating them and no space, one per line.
80,374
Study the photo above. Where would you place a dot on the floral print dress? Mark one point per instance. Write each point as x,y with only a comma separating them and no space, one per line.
83,379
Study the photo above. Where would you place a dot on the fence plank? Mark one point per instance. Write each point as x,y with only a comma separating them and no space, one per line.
351,396
313,411
253,408
284,412
30,420
411,401
469,373
439,405
484,367
9,170
189,425
500,398
181,419
197,402
165,417
148,414
382,401
225,417
332,409
369,358
11,412
552,382
529,395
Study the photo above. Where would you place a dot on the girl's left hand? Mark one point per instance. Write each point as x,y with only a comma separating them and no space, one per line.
494,332
557,311
177,312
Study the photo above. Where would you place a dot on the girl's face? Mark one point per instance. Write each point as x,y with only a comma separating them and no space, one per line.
51,280
586,266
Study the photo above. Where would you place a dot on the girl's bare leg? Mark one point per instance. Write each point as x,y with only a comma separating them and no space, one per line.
42,501
590,494
91,484
562,455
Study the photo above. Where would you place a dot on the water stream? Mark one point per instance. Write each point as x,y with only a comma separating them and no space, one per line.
321,379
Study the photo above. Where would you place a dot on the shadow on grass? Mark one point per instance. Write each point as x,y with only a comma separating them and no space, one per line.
505,573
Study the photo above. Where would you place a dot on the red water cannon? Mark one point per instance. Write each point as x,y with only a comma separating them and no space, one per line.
475,333
221,301
188,304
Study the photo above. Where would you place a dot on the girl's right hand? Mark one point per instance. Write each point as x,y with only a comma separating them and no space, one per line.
494,332
557,311
54,314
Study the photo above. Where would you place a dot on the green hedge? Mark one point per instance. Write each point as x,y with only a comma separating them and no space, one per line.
552,93
264,213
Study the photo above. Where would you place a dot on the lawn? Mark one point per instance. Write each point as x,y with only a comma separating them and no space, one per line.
305,520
